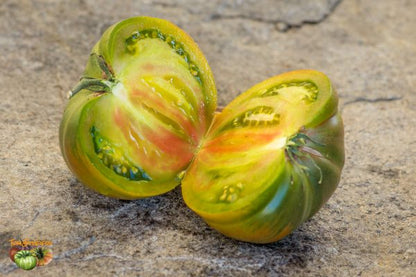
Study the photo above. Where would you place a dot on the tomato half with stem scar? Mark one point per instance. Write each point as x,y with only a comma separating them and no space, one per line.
270,160
140,110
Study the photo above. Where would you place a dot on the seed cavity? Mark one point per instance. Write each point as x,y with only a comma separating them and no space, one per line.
131,47
262,116
113,158
310,90
231,193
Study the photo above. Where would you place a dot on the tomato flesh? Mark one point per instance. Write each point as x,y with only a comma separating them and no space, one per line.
263,167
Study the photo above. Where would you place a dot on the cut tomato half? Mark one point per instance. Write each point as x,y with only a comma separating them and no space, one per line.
270,160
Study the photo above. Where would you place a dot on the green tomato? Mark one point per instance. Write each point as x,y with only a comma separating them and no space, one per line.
270,160
136,118
25,260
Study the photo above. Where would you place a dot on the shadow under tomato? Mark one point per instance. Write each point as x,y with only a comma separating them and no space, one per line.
139,221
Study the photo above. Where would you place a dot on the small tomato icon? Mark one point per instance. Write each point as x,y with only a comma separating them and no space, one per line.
25,260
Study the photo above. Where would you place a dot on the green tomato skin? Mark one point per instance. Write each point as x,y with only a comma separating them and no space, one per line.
25,260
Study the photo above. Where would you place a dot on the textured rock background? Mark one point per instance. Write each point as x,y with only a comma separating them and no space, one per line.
368,49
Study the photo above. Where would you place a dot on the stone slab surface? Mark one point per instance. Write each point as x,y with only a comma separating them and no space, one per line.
367,48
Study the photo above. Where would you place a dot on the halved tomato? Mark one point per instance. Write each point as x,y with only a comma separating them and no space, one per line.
142,118
136,118
270,160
